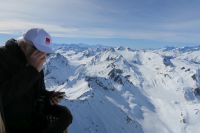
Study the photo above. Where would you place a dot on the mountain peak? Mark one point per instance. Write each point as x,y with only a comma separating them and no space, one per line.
113,90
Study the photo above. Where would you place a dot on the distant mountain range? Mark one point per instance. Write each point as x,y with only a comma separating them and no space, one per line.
122,90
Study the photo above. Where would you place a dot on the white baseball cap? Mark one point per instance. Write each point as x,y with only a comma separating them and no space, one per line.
40,39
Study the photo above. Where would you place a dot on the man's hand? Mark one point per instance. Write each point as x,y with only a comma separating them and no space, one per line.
56,97
37,60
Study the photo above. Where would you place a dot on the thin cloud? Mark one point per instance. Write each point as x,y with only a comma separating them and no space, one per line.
18,27
133,19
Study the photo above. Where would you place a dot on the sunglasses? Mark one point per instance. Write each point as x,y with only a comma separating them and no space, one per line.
34,48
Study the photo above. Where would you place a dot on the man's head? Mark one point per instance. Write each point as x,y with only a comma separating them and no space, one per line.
27,47
35,44
39,38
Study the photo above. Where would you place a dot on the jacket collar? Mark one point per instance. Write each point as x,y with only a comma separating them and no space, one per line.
15,52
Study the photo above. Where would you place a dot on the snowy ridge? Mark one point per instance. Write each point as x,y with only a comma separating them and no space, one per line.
121,90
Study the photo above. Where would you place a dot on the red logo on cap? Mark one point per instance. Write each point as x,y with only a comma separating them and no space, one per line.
47,40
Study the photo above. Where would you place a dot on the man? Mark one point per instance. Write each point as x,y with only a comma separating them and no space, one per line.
27,106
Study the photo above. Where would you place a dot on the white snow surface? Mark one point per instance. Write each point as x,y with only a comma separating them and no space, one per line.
120,90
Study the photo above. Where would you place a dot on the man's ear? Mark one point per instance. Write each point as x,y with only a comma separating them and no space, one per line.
21,44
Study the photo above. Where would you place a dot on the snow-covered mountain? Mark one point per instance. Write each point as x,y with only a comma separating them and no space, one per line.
121,90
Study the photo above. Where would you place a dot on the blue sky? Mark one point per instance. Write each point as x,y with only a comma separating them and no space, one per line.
133,23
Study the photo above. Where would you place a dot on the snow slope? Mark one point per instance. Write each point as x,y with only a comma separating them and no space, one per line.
120,90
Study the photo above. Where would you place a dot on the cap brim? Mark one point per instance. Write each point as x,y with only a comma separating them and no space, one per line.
44,49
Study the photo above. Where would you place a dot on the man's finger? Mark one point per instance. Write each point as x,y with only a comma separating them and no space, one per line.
43,56
41,62
60,93
61,96
34,53
55,101
52,102
39,54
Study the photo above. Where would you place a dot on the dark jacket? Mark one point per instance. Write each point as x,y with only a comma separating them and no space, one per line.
20,87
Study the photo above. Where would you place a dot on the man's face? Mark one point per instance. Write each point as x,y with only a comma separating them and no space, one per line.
31,48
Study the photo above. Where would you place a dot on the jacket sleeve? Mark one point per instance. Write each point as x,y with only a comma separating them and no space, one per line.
18,85
43,87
